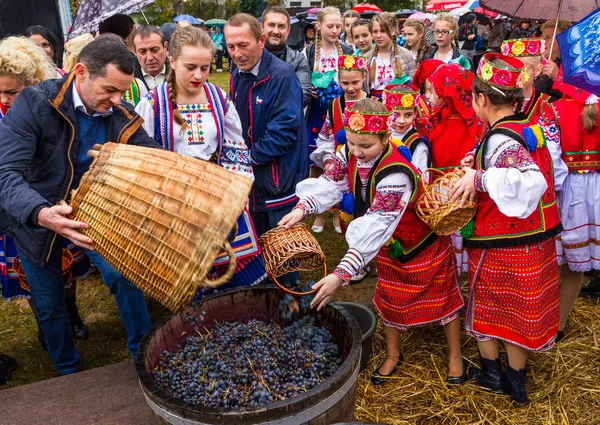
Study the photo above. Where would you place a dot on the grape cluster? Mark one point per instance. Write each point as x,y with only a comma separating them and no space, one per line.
290,305
244,365
327,95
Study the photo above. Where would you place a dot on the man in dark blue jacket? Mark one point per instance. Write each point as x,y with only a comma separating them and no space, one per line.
268,98
44,140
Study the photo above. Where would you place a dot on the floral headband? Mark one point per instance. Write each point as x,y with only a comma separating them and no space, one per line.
523,47
511,76
352,63
400,100
360,122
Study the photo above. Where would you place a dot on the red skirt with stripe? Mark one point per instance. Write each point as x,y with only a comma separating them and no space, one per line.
514,295
421,291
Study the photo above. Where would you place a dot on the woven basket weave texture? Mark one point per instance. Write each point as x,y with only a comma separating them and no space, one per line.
159,217
436,208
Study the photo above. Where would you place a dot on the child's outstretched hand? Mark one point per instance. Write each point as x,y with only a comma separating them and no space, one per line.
464,188
327,287
295,216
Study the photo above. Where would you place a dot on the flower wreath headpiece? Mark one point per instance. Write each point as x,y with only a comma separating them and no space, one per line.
401,100
520,47
352,63
511,76
360,122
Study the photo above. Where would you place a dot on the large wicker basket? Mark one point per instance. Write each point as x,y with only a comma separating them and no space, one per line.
160,218
291,250
67,265
436,208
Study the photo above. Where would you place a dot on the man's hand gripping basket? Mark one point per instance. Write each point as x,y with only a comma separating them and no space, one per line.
160,218
435,206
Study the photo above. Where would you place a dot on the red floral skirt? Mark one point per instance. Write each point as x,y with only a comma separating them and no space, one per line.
421,291
514,295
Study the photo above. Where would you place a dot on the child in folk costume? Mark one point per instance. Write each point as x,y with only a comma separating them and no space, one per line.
351,75
322,59
378,186
578,249
537,107
424,71
452,128
388,60
513,272
402,100
190,116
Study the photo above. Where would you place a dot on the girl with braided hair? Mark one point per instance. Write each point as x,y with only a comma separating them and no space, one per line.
387,61
416,42
445,30
188,115
322,58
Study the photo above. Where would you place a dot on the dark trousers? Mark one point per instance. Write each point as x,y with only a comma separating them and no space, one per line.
219,61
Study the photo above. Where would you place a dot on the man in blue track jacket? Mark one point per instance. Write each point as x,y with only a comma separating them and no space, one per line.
268,98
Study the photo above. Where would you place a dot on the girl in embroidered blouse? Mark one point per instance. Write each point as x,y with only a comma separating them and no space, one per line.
190,116
377,187
513,272
388,60
323,56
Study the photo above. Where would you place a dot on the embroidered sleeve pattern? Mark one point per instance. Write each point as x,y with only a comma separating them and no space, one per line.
511,154
350,265
388,200
479,181
338,170
308,206
235,156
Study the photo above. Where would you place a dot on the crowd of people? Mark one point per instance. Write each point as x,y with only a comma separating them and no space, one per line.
348,124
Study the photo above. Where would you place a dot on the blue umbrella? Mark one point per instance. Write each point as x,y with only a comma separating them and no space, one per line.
474,5
189,18
580,53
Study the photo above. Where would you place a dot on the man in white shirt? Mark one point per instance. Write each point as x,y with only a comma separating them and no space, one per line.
151,50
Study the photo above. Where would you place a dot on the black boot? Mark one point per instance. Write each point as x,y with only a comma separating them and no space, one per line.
7,366
514,385
77,326
489,376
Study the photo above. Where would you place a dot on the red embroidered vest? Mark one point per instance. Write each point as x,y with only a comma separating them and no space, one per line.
412,233
580,149
337,114
492,228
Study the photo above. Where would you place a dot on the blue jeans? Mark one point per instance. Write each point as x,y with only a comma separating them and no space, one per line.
267,220
48,297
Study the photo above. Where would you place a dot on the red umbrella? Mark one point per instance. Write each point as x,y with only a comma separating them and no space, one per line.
445,4
366,7
485,12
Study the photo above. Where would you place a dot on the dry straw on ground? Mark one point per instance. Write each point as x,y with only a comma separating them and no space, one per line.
563,383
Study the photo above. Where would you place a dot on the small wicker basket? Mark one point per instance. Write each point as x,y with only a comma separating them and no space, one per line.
435,207
160,218
291,250
67,264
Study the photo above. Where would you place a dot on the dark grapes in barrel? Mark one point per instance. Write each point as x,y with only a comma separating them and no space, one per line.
244,365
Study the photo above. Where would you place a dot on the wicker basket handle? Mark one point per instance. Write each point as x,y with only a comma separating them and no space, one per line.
429,175
296,293
228,274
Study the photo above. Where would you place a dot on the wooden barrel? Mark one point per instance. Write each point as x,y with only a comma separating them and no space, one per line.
330,402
